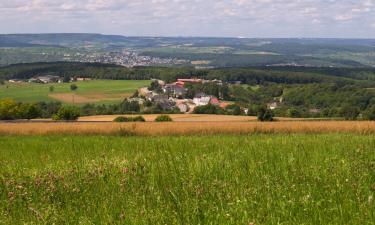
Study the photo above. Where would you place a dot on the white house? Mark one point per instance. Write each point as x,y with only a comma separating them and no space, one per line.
205,100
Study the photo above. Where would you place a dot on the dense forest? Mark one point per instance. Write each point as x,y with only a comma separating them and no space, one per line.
249,75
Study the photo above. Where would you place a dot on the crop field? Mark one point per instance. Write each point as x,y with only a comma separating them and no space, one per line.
176,117
224,179
96,91
186,128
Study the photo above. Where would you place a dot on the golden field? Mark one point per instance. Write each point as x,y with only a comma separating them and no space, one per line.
176,118
186,128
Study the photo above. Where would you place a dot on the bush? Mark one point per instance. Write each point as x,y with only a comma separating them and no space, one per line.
8,109
123,119
265,114
163,118
29,111
350,112
369,114
208,109
67,113
139,119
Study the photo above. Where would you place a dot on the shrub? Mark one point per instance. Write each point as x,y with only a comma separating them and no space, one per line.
208,109
369,114
139,119
73,87
163,118
121,119
67,113
8,109
265,114
29,111
350,112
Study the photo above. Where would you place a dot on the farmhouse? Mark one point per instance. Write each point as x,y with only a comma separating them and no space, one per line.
140,101
182,106
175,90
15,81
83,79
45,79
164,102
182,82
201,101
272,105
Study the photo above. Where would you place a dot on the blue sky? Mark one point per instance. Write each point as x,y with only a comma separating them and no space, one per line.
234,18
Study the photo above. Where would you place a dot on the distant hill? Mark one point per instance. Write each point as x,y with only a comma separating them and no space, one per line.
212,52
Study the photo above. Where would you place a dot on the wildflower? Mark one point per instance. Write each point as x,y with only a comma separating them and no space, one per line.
11,196
125,170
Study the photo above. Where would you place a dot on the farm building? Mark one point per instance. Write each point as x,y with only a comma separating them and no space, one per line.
45,79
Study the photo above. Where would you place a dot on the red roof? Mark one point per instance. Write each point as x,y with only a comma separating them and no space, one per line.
190,80
214,101
224,105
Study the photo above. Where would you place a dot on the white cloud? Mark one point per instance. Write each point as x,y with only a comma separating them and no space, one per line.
190,17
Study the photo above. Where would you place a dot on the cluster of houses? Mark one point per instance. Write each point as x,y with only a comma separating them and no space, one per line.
174,96
47,79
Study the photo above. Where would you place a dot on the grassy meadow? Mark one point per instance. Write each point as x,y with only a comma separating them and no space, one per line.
96,91
224,179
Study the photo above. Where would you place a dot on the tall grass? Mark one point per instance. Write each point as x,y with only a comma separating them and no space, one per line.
187,128
261,179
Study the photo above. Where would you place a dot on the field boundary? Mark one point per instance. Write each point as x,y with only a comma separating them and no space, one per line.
186,128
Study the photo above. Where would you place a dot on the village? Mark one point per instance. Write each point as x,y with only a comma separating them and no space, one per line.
170,96
181,96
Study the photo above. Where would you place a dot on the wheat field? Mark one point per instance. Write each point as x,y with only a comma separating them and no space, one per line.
176,118
186,128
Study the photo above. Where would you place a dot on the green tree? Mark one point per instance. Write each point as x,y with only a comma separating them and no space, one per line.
73,87
208,109
350,112
155,86
28,111
294,113
265,114
67,113
369,114
2,82
8,109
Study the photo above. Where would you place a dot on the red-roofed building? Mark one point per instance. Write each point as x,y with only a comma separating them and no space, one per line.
183,81
214,100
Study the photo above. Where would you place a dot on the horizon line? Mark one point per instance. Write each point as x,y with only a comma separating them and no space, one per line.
187,36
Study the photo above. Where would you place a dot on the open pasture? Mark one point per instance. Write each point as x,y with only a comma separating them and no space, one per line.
95,91
186,128
225,179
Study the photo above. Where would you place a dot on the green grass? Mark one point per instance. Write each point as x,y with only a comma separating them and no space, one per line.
261,179
31,92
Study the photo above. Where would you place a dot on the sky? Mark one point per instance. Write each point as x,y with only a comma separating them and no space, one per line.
213,18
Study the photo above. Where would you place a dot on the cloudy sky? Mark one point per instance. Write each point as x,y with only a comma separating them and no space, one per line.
234,18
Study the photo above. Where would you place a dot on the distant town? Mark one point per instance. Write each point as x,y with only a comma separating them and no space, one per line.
126,57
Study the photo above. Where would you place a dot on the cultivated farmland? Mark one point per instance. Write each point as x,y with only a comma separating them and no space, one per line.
256,179
96,91
187,128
